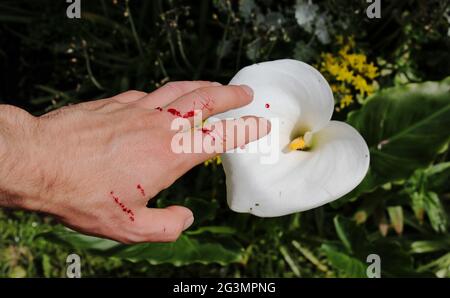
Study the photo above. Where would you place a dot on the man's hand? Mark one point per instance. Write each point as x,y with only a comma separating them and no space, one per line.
95,165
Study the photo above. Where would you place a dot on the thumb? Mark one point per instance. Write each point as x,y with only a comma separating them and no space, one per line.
163,224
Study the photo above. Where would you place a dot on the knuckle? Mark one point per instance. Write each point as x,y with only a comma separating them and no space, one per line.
135,93
207,101
174,88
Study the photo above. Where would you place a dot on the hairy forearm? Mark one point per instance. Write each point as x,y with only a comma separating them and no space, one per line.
19,185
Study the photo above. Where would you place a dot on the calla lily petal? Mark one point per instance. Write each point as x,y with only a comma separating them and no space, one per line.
284,84
301,180
333,159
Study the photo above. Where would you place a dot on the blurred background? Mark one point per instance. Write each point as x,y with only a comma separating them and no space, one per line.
390,80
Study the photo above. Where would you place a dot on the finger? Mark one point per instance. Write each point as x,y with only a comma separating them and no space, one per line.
209,101
124,97
170,92
212,139
163,225
129,96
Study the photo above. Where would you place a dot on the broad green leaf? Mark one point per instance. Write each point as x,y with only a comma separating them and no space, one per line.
212,229
186,250
405,127
80,241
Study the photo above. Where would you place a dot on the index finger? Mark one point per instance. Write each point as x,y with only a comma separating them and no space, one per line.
208,101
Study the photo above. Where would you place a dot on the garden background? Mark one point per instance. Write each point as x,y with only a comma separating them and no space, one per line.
390,77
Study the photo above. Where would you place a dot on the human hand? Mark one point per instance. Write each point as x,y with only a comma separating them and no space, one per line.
95,165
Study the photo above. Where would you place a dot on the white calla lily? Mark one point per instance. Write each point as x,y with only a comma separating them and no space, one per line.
331,158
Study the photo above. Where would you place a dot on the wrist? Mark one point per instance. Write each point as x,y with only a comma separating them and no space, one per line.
19,184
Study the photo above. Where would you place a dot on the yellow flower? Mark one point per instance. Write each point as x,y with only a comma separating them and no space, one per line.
344,50
371,71
346,100
348,72
357,61
343,89
361,84
345,75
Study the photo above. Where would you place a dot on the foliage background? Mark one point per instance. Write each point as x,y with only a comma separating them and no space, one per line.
401,209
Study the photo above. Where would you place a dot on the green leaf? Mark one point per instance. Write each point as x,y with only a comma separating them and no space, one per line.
425,201
79,241
438,177
395,260
290,261
405,127
347,265
433,245
396,217
186,250
46,266
352,236
435,211
17,272
213,229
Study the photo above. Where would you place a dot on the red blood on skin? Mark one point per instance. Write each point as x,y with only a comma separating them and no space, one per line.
122,206
206,105
208,132
141,189
189,114
174,112
159,109
177,113
267,105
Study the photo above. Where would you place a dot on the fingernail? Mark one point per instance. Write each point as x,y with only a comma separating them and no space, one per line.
216,84
247,90
188,223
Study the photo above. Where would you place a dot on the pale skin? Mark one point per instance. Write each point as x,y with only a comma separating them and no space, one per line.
73,162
